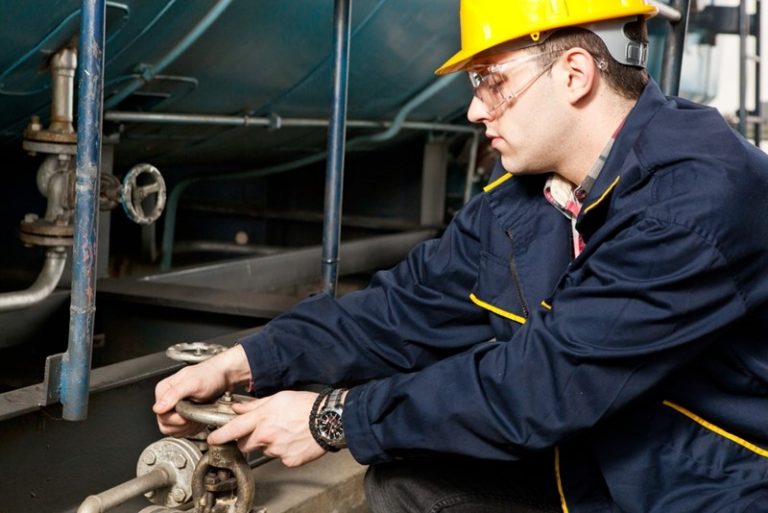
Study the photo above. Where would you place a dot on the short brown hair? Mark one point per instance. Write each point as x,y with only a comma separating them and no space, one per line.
628,81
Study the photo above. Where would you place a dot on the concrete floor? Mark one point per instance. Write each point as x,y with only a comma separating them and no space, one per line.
332,484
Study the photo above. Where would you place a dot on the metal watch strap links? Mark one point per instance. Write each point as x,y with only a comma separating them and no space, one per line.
325,420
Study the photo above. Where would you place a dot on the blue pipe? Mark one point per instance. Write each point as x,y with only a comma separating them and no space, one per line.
76,363
148,72
334,175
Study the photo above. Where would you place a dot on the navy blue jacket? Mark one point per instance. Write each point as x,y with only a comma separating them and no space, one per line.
643,362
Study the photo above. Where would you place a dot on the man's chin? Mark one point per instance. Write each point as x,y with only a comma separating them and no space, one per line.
517,169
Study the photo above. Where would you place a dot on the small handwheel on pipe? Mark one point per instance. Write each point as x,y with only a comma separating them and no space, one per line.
214,414
193,352
143,194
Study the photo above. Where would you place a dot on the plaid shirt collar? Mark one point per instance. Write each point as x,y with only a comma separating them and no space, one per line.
568,199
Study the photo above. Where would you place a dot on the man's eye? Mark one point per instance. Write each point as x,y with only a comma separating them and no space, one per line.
494,82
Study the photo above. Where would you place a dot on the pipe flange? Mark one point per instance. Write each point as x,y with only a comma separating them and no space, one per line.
53,148
36,226
50,136
39,232
181,456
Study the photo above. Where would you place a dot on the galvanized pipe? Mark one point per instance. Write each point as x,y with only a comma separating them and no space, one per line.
172,118
76,362
334,177
63,66
55,260
673,51
122,493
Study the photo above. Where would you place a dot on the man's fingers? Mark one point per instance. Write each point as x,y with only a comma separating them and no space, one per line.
245,407
167,394
238,427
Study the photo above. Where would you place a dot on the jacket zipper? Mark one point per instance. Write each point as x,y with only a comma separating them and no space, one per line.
516,280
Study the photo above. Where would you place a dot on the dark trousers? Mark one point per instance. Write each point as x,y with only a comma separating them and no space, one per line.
462,486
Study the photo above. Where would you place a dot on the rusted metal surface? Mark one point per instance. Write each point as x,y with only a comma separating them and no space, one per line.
76,364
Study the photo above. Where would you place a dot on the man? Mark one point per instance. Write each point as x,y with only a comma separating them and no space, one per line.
588,334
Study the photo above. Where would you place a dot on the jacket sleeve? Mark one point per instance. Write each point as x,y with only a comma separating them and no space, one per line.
407,318
636,309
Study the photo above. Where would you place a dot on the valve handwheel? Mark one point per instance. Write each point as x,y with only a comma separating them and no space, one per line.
133,195
216,413
193,352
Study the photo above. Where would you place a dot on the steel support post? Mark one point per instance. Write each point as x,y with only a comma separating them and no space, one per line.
334,182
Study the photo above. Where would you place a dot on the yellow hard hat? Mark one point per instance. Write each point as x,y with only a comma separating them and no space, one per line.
487,23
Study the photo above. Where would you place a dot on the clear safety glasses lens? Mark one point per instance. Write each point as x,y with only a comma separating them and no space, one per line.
490,84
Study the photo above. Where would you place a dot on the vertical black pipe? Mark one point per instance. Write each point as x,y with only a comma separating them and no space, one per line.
76,363
673,50
743,60
334,177
758,73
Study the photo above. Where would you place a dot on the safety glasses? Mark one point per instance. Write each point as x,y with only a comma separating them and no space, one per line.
491,83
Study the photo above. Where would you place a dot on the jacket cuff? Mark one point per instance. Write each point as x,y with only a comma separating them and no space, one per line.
262,359
361,441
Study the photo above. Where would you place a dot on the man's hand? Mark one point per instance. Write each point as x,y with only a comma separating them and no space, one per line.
278,425
204,381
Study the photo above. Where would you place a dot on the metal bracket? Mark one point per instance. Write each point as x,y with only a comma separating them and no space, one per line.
52,380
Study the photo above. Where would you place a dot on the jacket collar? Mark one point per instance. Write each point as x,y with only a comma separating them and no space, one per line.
610,181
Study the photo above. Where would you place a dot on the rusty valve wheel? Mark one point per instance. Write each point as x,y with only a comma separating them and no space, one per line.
133,195
215,414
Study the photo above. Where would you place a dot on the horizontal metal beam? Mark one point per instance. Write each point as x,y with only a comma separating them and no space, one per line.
267,273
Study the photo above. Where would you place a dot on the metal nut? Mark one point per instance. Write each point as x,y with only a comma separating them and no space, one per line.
178,494
150,458
179,460
34,124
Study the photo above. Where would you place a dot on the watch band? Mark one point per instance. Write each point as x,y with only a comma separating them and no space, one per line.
313,417
325,419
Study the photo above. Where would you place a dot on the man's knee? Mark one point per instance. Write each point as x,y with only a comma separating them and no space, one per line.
386,489
459,487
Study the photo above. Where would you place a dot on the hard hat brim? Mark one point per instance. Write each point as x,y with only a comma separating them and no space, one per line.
455,63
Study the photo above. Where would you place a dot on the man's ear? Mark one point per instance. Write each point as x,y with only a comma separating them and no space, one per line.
579,74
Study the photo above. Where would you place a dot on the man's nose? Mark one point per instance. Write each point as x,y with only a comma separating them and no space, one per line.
477,112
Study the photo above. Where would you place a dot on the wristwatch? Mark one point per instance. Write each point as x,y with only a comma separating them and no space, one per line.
325,420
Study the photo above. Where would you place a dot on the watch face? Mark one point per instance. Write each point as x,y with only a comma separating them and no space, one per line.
329,425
